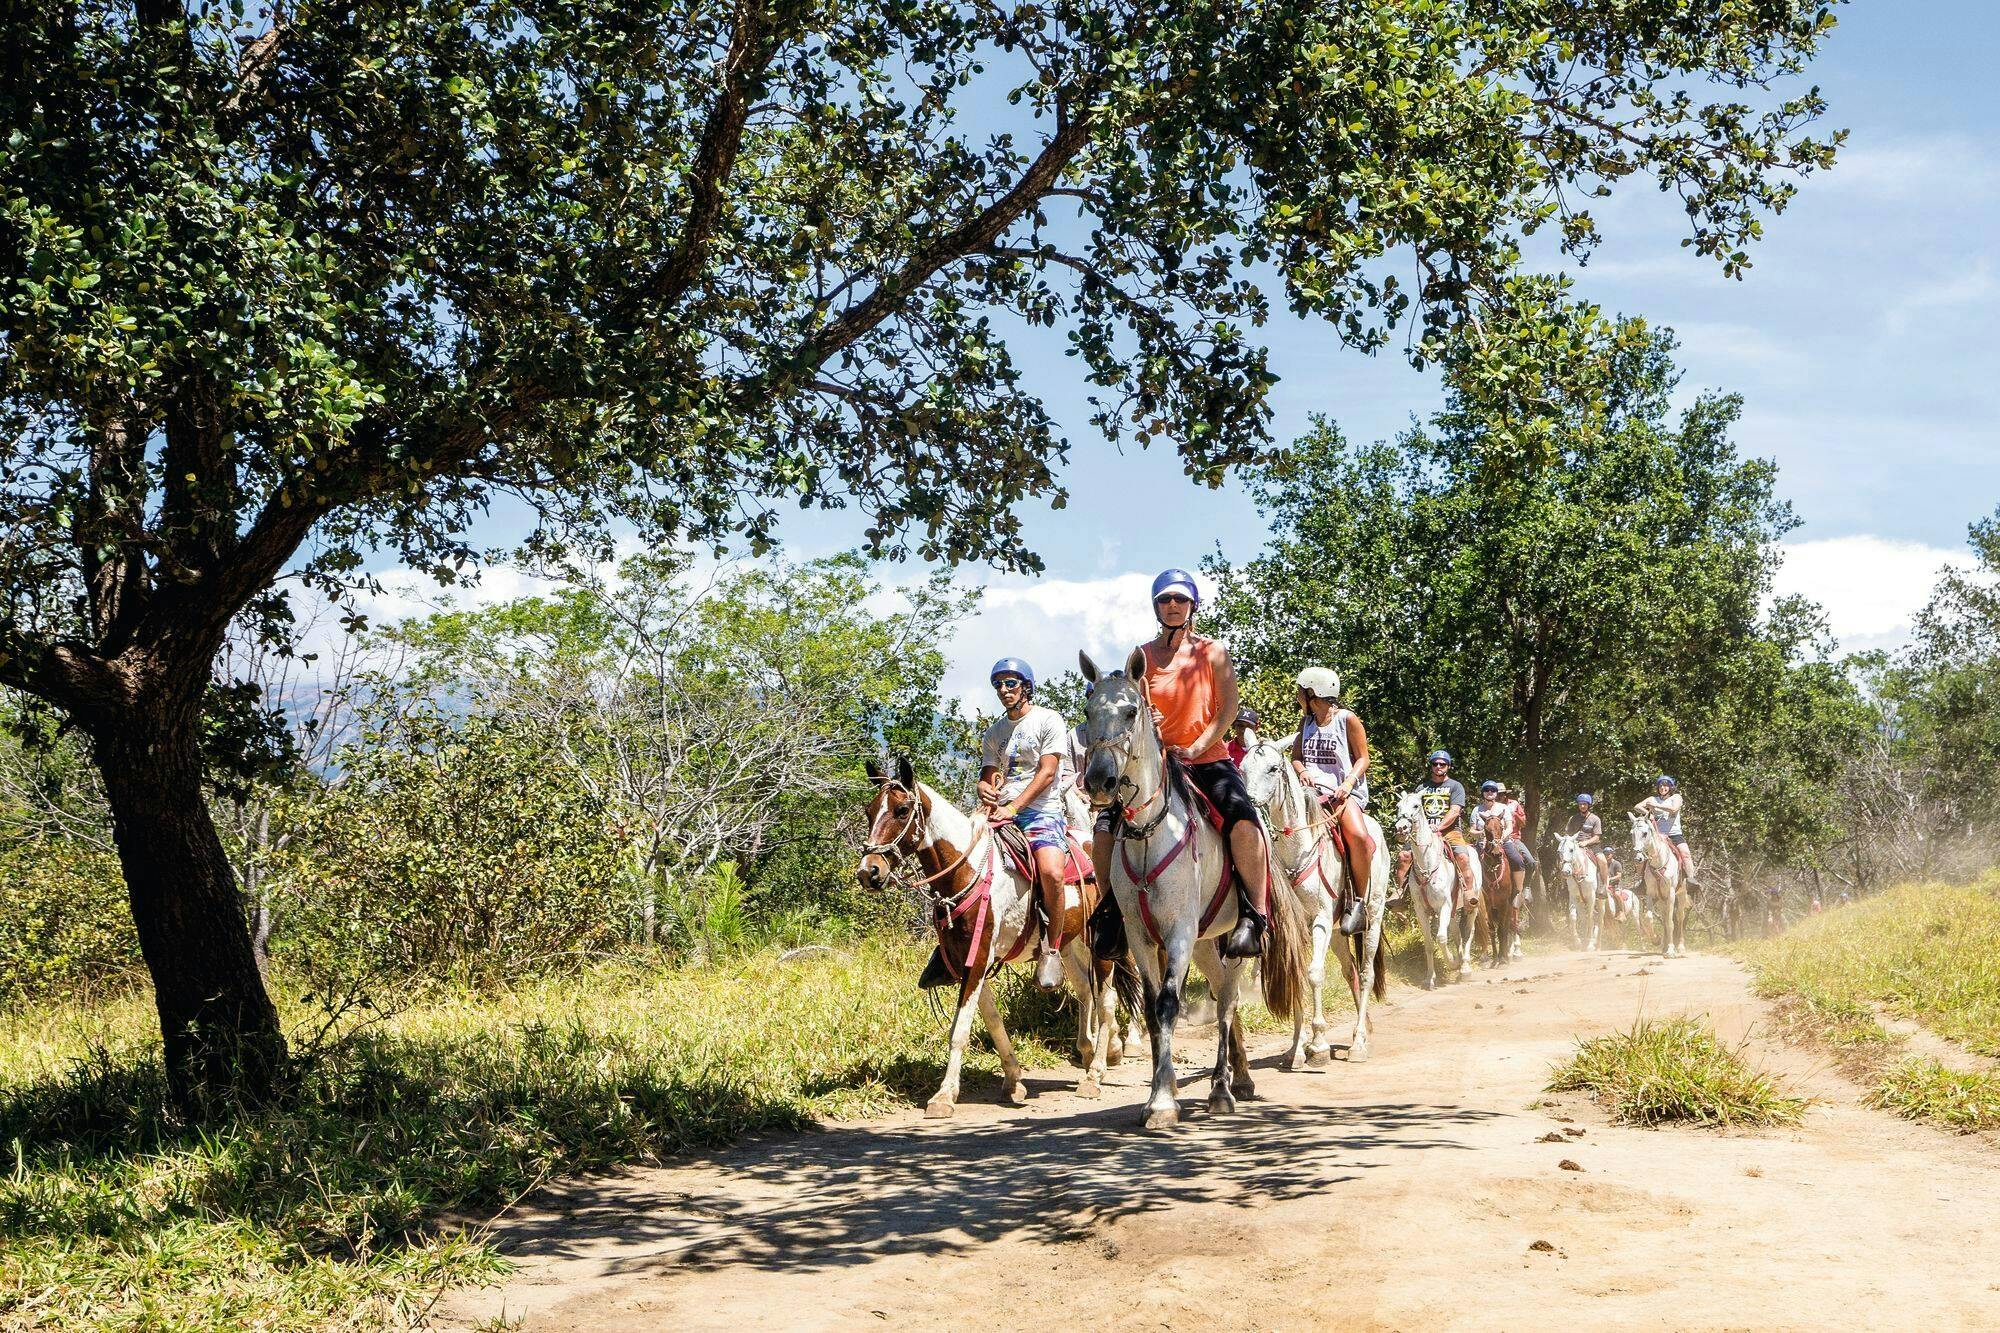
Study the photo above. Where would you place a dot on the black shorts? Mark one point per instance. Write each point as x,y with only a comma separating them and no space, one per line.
1222,783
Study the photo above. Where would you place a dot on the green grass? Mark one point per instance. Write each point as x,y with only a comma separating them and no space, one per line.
1926,952
348,1208
1929,953
1958,1099
1659,1072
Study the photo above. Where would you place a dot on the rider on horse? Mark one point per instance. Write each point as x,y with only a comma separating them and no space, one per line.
1020,770
1516,846
1331,756
1443,798
1191,684
1663,807
1587,827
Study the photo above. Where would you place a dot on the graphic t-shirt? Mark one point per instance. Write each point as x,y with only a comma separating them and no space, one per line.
1585,826
1016,748
1492,809
1439,797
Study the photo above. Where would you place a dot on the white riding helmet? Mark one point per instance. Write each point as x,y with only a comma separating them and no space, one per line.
1320,682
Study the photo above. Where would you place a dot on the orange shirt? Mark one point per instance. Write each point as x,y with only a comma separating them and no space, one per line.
1182,688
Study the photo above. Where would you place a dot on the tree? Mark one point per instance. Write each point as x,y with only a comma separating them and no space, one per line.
291,284
1588,622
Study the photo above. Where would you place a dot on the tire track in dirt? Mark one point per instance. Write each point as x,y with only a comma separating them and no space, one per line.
1403,1192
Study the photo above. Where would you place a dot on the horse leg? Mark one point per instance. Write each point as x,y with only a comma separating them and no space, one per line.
1015,1086
1364,984
1163,1012
1240,1081
1308,1030
1223,974
970,991
1094,1002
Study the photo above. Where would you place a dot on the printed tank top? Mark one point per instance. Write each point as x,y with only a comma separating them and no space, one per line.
1326,750
1181,685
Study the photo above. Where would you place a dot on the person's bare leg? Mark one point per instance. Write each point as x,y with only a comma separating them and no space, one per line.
1360,866
1049,881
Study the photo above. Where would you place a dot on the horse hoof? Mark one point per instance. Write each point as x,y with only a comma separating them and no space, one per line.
1319,1056
1164,1118
1016,1094
1243,1087
1298,1060
1088,1086
940,1108
1357,1054
1115,1056
1220,1102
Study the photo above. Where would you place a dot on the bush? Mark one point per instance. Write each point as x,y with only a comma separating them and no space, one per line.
64,922
1675,1070
460,850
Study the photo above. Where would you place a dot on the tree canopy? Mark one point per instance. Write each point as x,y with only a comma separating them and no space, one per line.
1584,627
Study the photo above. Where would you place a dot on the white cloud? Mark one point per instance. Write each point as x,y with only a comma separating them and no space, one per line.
1871,587
1901,170
1045,622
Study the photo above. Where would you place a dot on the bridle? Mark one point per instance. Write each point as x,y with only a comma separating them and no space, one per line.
918,825
1121,747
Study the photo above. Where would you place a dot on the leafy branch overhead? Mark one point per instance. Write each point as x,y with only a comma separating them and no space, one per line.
364,267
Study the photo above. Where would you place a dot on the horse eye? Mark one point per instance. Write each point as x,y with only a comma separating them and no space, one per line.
1129,711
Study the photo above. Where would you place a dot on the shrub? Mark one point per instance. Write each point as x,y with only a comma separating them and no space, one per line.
64,922
1675,1070
461,849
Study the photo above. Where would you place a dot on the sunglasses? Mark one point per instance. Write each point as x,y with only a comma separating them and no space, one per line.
1173,599
1010,683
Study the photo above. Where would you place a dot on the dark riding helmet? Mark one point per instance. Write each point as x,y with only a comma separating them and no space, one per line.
1247,717
1488,787
1439,757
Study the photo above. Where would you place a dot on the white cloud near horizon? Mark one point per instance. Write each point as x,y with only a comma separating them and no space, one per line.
1871,588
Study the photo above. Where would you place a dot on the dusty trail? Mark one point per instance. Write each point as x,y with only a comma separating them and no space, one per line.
1399,1193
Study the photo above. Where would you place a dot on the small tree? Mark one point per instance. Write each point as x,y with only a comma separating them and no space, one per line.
293,282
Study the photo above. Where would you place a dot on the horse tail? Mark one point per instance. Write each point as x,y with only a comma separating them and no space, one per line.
1125,978
1381,968
1287,959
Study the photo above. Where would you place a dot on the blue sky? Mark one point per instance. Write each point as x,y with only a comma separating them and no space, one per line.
1865,341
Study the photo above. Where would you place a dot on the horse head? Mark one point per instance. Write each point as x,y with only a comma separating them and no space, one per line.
1568,854
1642,835
1264,766
894,816
1409,814
1118,733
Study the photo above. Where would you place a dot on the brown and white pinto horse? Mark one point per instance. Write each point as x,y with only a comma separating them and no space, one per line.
983,910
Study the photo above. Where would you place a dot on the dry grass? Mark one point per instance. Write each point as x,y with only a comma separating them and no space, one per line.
341,1210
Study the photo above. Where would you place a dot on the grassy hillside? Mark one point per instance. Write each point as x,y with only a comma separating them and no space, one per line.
1929,953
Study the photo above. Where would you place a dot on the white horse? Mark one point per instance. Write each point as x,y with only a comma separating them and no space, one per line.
1579,873
983,910
1432,877
1302,836
1171,874
1665,890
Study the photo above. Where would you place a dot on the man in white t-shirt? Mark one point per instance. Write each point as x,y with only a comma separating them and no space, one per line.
1020,778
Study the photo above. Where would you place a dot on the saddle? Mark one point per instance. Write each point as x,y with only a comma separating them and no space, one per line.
1020,854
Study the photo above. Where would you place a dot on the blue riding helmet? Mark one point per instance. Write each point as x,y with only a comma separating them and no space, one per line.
1583,798
1012,666
1436,755
1176,580
1669,781
1487,786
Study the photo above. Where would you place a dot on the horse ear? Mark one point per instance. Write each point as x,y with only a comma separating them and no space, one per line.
1135,665
1250,738
906,772
878,772
1089,667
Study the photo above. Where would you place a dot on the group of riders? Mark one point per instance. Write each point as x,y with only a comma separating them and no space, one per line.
1030,760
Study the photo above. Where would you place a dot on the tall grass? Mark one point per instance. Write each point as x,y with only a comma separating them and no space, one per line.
1659,1072
1929,953
345,1208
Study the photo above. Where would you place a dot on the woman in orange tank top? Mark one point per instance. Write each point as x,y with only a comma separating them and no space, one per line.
1192,686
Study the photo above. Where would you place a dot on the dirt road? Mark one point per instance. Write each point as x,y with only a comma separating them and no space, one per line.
1412,1191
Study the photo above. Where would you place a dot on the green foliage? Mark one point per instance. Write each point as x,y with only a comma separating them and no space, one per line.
340,1209
1595,622
64,925
1660,1072
1922,1089
451,846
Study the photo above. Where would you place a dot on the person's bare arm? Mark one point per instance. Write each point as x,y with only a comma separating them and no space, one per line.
1357,746
1227,698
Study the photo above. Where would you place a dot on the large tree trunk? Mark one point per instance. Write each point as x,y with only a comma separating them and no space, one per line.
219,1026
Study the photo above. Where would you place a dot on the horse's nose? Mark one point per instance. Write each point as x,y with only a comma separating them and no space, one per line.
868,875
1100,775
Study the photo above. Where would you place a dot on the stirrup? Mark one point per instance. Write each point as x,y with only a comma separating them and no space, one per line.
1048,970
1355,919
1246,938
